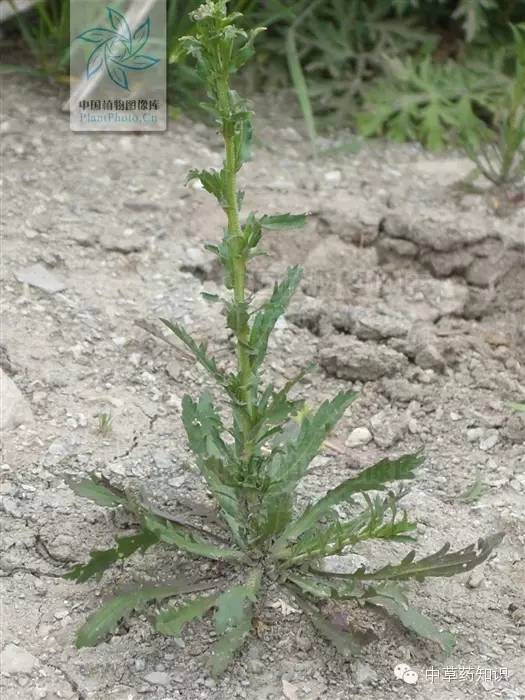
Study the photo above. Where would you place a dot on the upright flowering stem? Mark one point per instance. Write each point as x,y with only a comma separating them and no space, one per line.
235,239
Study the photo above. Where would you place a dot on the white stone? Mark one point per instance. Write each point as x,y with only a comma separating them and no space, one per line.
15,659
15,409
358,437
333,176
158,678
489,441
39,276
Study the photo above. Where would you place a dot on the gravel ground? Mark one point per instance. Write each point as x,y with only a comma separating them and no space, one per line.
414,294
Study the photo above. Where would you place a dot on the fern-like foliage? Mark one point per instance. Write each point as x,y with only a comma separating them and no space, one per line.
252,463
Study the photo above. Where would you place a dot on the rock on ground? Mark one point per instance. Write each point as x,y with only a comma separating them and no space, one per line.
15,409
349,358
15,659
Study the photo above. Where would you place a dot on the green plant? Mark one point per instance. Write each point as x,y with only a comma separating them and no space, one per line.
498,149
431,102
46,34
254,465
104,423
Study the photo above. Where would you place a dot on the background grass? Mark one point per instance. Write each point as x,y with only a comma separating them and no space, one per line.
427,70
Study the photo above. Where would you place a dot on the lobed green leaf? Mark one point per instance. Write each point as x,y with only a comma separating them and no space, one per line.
213,182
99,490
199,352
289,466
170,534
372,479
413,620
442,563
102,559
266,318
283,221
349,642
105,620
171,622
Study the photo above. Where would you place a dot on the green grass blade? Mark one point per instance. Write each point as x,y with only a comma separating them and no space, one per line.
298,79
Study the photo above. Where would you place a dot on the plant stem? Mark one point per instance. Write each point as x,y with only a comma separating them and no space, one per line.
235,238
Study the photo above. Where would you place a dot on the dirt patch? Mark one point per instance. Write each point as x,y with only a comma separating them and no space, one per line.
435,354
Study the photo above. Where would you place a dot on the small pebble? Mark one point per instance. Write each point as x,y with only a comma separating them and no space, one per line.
358,437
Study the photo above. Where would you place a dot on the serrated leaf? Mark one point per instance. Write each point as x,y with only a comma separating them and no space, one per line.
204,427
289,466
266,318
193,544
224,649
231,605
372,479
349,643
413,620
106,619
199,352
442,563
312,586
171,622
243,144
102,559
213,182
98,490
234,617
283,221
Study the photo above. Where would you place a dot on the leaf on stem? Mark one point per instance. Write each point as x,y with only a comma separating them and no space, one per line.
199,352
99,490
169,533
289,466
266,318
372,479
102,559
442,563
106,619
234,620
348,642
171,622
213,182
224,649
412,619
283,221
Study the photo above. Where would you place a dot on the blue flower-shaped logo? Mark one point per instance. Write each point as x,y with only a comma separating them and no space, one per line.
118,49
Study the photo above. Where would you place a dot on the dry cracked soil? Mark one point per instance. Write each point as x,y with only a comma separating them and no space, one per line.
414,295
